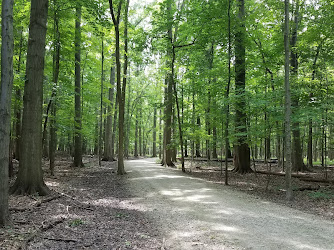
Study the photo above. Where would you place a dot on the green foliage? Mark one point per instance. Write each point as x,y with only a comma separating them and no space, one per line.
76,222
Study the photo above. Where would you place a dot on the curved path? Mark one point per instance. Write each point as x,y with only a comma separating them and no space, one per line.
196,214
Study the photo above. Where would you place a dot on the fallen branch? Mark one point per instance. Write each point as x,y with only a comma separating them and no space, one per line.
37,204
79,204
281,174
60,239
317,180
41,229
309,188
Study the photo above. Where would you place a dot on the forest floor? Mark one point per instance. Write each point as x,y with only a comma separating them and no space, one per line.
94,208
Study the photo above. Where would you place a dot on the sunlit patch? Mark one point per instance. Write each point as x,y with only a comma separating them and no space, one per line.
159,177
52,183
130,204
225,228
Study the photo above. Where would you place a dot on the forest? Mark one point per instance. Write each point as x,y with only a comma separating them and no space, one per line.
236,86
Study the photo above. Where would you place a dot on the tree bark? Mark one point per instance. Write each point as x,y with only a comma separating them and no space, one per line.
198,142
242,151
6,87
17,107
154,153
108,148
56,59
287,114
77,119
168,152
30,176
101,104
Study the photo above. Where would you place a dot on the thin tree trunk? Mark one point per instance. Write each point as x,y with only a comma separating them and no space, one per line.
101,104
56,59
108,154
178,114
7,48
136,138
227,93
287,116
17,108
154,153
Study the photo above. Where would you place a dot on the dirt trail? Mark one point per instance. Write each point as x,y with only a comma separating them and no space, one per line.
196,214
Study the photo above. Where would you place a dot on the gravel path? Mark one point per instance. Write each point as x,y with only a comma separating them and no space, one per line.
196,214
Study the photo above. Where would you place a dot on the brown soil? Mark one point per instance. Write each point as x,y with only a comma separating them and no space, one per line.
88,208
312,197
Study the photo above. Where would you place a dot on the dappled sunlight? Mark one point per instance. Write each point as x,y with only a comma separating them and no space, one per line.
159,177
216,213
225,228
304,245
129,204
52,183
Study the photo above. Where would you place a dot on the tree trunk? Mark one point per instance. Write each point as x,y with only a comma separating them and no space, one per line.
7,48
101,104
227,93
121,87
154,153
136,139
140,138
198,142
30,176
242,151
77,119
160,134
287,114
114,130
168,152
56,59
17,107
108,154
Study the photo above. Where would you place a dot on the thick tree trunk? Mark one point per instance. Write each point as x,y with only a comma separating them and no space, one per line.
77,119
242,151
297,159
168,152
121,87
6,86
30,176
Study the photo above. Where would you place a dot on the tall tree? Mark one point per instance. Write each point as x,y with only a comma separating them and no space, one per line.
169,89
30,176
297,159
108,148
241,151
120,87
55,76
287,117
7,47
77,90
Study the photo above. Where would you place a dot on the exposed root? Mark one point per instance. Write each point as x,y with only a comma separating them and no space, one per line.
25,189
